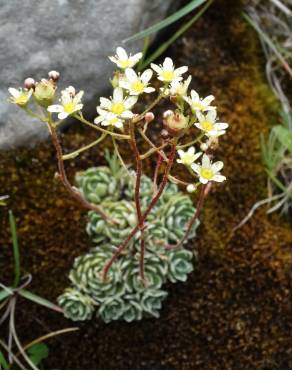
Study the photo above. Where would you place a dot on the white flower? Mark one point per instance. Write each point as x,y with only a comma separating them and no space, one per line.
198,104
136,84
69,104
167,73
108,119
180,88
119,105
122,60
208,171
188,157
19,97
208,124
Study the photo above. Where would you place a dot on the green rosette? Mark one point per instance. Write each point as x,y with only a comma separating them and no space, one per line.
133,310
97,184
151,302
155,271
170,191
123,212
176,215
146,189
86,275
76,305
179,264
111,309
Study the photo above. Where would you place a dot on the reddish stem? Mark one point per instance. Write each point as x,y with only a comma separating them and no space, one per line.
145,214
63,177
157,167
199,206
137,197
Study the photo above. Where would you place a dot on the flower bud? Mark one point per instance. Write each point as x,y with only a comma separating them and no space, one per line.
116,79
173,99
44,92
164,134
29,83
204,147
174,122
54,75
149,116
191,188
213,142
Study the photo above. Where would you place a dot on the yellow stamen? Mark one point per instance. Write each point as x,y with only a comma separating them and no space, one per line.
168,75
117,108
69,107
137,86
198,106
21,99
207,125
207,173
124,63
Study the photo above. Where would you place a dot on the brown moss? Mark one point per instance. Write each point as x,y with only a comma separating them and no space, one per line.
233,313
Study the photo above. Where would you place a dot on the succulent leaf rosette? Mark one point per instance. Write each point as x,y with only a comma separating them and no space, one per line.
124,295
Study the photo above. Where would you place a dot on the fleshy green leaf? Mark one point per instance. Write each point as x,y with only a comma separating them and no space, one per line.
167,21
38,352
39,300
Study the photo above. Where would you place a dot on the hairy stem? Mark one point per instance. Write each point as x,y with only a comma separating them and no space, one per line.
199,206
145,214
78,151
137,197
92,125
62,175
156,171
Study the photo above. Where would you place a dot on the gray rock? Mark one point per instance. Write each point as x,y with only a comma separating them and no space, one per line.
71,36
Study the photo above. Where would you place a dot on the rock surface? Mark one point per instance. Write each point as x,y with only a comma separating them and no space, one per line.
71,36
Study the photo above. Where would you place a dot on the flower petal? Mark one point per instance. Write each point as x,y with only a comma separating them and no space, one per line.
127,114
118,95
55,108
121,53
206,161
217,166
219,178
146,75
63,115
130,101
105,103
181,70
168,64
131,75
208,100
156,68
14,92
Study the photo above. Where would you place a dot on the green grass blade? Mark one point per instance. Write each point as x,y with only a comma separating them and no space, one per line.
4,294
284,135
39,300
176,35
15,249
269,42
167,21
3,362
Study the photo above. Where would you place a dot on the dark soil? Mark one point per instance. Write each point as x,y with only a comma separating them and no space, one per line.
234,311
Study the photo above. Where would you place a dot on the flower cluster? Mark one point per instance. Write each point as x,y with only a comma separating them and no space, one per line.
139,223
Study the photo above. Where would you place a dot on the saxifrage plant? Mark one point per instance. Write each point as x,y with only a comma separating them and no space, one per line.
139,223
